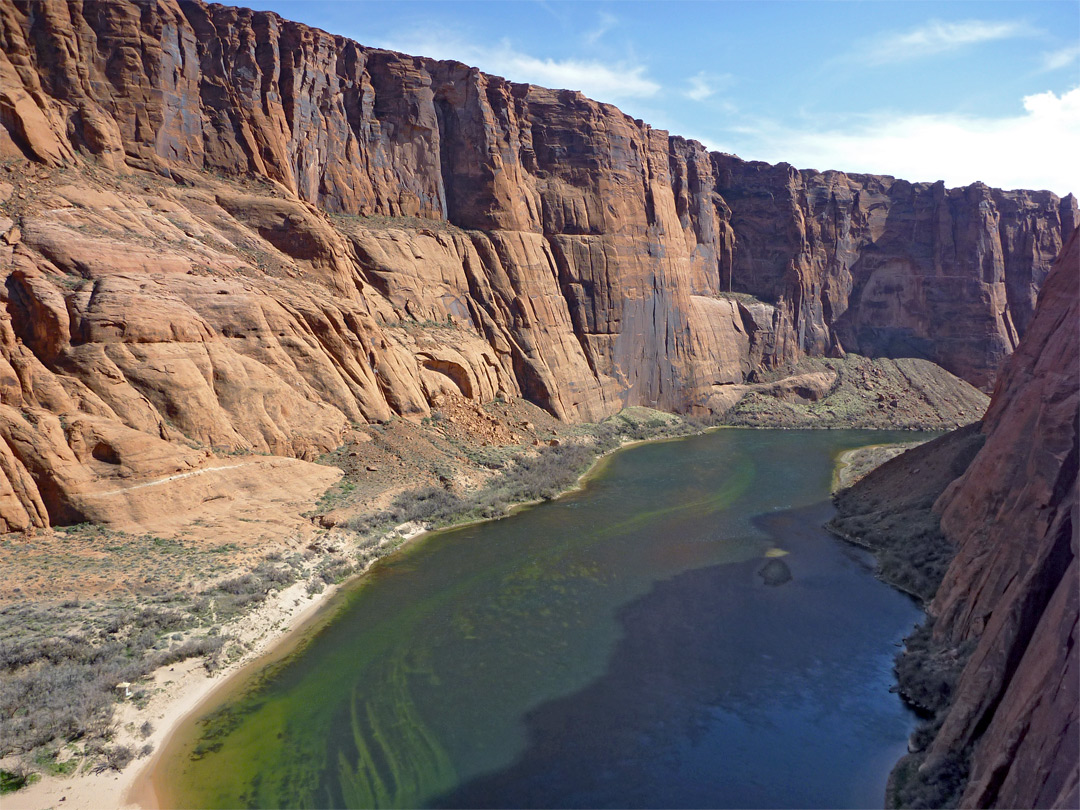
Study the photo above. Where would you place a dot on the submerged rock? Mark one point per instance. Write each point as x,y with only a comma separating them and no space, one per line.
775,572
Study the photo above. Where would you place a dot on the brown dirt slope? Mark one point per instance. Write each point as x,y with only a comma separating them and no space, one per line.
858,392
891,511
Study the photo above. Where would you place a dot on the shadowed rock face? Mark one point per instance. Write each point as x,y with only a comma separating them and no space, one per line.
1006,607
542,245
239,231
1014,582
630,223
890,268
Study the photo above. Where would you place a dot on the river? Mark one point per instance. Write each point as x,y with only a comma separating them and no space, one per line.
617,647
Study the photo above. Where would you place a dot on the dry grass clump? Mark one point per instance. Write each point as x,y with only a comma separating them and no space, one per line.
60,664
527,475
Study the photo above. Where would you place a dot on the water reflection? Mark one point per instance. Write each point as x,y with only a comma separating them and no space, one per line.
614,648
725,692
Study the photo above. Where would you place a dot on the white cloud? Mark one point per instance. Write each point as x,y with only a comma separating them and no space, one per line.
705,85
1035,149
607,22
1061,58
937,37
700,88
603,81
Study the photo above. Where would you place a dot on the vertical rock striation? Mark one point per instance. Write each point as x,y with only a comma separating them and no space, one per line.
228,231
1014,583
633,221
985,521
244,232
889,268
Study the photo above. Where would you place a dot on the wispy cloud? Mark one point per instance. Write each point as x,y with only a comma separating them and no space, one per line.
603,81
1061,58
1034,149
704,84
937,37
606,23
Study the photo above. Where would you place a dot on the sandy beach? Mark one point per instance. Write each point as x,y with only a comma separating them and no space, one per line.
178,691
186,688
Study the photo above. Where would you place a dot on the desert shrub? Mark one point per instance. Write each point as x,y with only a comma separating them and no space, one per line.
430,504
927,670
63,687
119,756
157,620
65,701
274,576
239,585
16,778
335,570
193,648
939,784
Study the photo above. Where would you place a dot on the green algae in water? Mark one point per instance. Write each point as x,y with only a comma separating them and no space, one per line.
431,674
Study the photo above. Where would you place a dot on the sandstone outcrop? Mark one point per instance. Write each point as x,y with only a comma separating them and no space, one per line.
224,233
1007,502
231,232
1014,582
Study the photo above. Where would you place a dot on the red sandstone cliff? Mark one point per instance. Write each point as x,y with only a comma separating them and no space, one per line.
885,266
220,230
224,230
1014,584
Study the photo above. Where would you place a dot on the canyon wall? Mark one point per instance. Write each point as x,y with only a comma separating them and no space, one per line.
985,521
631,220
224,231
1014,584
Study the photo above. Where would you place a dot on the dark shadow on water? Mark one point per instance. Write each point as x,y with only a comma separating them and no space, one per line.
728,692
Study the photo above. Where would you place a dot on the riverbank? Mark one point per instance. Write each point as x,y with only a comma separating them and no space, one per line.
891,513
854,465
337,552
175,693
501,599
169,694
200,695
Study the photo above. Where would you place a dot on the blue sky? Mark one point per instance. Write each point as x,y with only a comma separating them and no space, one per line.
960,91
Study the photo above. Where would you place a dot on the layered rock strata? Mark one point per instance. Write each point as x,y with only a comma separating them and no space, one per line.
225,231
633,224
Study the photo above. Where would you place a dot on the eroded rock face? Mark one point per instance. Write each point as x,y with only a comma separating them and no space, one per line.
391,229
632,220
1014,582
888,268
1001,668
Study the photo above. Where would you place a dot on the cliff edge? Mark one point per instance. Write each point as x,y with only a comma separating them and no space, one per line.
221,231
989,529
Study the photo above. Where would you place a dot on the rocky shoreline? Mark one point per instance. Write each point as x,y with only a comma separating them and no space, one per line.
258,632
981,524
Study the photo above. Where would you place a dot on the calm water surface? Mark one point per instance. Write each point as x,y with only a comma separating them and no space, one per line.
615,648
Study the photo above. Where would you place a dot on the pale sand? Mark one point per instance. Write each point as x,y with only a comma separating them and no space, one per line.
185,689
176,692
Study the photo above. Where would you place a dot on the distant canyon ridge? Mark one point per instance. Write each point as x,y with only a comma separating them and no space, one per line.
224,231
